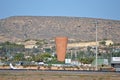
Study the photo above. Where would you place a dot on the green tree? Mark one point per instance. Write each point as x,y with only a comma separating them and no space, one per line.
8,48
42,57
86,60
40,43
19,57
38,58
102,42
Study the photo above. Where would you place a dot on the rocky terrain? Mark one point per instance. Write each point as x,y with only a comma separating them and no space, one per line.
17,28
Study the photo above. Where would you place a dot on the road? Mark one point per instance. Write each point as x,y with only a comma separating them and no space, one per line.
59,71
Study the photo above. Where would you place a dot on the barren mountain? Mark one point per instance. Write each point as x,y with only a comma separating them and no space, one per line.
47,27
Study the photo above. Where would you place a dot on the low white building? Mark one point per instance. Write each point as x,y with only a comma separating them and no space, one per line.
115,62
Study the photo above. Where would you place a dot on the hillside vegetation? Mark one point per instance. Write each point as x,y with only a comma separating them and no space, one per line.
18,28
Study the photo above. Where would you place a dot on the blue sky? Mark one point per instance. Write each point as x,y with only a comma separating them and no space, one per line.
106,9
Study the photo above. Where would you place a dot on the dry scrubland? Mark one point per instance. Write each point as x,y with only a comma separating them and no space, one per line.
18,28
42,75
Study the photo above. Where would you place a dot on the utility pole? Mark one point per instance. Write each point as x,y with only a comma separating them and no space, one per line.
96,61
96,45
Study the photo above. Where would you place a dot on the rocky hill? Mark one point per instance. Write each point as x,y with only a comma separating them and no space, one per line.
47,27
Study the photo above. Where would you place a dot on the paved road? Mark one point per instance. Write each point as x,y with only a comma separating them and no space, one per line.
60,71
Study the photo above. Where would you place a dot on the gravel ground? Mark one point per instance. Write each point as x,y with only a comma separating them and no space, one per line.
57,75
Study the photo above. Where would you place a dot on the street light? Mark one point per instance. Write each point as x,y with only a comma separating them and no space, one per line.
96,61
